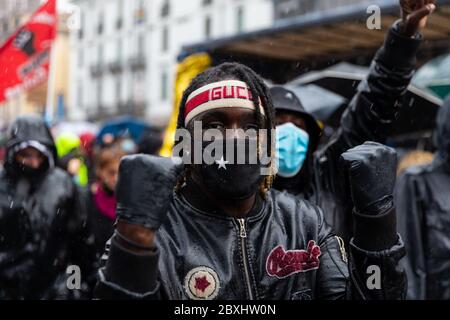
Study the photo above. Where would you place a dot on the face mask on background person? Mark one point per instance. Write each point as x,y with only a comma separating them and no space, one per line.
292,149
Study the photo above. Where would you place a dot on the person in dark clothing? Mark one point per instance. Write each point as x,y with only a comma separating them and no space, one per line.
41,228
423,204
151,141
298,135
369,117
102,200
223,233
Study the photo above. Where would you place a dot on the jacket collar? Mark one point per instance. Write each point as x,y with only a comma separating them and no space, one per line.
191,197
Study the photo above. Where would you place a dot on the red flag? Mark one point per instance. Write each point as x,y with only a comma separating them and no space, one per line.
25,56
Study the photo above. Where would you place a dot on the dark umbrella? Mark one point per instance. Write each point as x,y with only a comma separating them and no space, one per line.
321,103
123,126
419,107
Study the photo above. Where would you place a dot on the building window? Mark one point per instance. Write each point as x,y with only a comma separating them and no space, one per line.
100,24
119,50
100,55
164,86
141,45
80,95
139,88
80,31
5,26
165,39
99,94
208,27
240,19
165,9
119,20
80,58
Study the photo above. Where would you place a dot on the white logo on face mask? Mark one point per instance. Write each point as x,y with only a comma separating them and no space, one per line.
222,163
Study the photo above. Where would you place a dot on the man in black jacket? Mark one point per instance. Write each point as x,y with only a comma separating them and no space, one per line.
224,234
423,204
41,230
369,117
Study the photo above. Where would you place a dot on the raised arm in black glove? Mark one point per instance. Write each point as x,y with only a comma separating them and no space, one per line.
144,192
371,169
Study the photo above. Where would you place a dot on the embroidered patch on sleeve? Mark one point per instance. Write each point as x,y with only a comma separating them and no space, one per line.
281,263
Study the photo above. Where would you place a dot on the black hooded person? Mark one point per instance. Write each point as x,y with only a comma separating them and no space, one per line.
40,227
422,194
216,229
298,135
370,116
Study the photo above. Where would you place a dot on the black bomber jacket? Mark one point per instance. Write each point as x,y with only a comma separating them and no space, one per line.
283,250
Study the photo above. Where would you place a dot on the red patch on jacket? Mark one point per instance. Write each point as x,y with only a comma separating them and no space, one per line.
281,263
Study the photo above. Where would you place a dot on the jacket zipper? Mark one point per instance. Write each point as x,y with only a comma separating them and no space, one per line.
243,235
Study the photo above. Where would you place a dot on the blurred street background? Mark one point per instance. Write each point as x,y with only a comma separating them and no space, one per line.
114,58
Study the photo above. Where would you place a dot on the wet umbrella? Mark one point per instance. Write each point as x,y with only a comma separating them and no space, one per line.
323,104
419,106
124,126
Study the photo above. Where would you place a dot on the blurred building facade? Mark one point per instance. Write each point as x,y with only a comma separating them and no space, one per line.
14,13
285,9
124,52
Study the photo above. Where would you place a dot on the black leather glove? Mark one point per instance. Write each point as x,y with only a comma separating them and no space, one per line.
145,188
372,170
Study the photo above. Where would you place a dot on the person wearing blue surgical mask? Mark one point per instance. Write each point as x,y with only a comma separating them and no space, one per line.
292,149
298,135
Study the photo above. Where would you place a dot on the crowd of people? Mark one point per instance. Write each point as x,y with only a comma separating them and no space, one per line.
324,213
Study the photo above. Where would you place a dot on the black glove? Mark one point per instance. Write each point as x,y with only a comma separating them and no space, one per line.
145,188
371,168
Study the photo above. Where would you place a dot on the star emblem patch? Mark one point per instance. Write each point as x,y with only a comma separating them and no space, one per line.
202,283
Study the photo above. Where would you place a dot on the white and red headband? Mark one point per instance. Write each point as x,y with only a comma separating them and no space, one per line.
222,94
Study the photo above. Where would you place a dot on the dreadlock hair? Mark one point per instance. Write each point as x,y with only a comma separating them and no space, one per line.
260,94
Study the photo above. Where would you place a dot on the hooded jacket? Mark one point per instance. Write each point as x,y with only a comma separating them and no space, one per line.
369,117
40,221
423,204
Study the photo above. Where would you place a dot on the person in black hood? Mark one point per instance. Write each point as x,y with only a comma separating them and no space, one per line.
316,174
41,226
216,230
423,204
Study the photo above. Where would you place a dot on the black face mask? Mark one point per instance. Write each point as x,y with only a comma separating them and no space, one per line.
235,180
30,173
